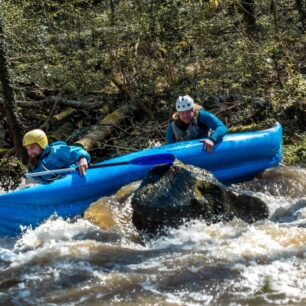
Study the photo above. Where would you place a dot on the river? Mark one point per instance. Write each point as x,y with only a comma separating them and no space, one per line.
73,262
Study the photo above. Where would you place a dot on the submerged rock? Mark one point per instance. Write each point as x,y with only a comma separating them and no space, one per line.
114,213
101,212
170,195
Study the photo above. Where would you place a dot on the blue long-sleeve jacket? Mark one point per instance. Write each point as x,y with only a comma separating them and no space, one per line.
59,155
209,121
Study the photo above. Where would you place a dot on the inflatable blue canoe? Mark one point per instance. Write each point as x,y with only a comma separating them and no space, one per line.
236,158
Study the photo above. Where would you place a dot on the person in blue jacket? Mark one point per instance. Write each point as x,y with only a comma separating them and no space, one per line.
191,121
57,155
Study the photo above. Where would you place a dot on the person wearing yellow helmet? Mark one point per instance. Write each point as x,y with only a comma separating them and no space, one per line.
191,121
35,136
44,156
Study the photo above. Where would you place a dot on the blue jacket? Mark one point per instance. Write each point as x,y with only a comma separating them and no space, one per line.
59,155
206,121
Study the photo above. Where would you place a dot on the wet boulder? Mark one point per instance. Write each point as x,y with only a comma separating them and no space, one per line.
171,195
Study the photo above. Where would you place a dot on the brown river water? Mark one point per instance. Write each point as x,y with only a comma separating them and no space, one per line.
74,262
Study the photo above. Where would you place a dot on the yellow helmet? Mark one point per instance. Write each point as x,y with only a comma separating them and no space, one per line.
35,136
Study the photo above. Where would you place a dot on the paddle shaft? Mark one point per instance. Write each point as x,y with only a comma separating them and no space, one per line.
68,170
159,159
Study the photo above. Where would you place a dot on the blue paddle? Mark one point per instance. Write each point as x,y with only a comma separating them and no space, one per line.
158,159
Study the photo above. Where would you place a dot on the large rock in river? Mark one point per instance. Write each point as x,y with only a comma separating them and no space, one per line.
170,195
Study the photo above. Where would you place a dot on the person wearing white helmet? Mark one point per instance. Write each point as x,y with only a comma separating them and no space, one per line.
44,156
191,121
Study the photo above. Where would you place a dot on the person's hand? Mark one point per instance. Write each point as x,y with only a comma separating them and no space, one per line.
208,144
83,165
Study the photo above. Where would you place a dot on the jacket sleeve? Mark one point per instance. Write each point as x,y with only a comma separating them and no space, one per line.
213,123
72,154
170,137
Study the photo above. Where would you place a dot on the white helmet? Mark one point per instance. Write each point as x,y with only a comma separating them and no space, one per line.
184,103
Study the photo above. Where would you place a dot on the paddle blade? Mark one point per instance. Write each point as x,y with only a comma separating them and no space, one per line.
157,159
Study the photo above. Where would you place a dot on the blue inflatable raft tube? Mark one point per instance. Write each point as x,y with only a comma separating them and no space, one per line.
236,158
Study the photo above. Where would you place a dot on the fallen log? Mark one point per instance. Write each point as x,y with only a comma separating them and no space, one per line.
116,81
105,127
40,104
32,104
63,115
35,116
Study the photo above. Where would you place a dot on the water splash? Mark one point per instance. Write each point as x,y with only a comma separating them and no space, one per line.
70,262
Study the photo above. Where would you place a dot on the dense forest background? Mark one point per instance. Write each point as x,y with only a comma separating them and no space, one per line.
106,74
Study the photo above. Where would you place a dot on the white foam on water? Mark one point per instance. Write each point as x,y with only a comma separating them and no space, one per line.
52,238
54,229
179,297
283,278
185,297
274,202
234,240
6,255
195,233
149,264
258,251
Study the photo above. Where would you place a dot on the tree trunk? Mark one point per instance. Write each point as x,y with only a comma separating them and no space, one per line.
275,19
112,7
15,126
248,10
301,7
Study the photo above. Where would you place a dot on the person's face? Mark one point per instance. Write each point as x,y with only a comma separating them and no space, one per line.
33,150
186,116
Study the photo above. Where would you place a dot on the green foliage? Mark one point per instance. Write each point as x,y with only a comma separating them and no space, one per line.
160,47
295,151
